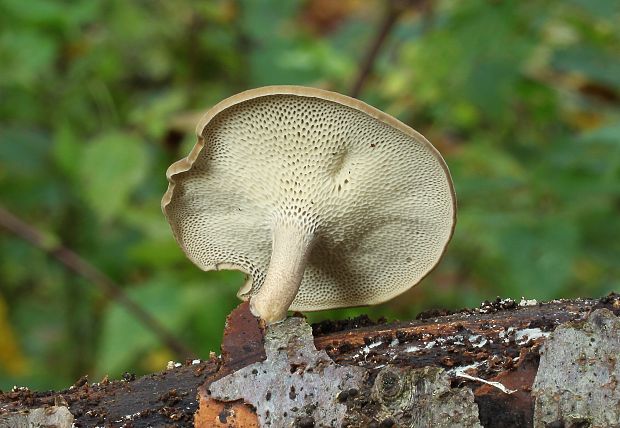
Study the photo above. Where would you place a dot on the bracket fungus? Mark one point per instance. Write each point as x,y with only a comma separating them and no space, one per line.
320,199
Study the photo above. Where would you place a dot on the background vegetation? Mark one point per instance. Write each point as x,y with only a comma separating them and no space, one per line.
98,97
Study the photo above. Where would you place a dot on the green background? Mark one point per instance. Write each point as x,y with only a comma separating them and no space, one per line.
98,97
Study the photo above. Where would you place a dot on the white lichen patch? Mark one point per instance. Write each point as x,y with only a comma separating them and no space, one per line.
477,340
130,417
524,336
462,369
366,349
507,302
294,376
507,335
577,379
526,302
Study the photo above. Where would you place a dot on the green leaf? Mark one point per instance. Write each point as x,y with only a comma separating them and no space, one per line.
22,151
156,253
123,338
21,68
604,9
67,149
590,61
609,133
175,306
540,256
154,114
112,167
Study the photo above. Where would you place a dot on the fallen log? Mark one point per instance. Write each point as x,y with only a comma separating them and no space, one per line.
504,364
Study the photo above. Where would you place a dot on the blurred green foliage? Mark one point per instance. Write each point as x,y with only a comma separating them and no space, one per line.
99,97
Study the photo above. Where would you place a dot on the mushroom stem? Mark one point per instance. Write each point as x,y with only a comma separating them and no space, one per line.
291,247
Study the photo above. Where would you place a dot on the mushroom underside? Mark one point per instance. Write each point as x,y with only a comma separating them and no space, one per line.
324,201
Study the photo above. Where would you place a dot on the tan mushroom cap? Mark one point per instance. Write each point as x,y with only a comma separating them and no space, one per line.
324,201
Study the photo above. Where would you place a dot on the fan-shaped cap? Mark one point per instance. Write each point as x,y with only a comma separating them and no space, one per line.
302,186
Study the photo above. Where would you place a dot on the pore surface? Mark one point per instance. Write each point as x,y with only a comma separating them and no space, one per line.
379,201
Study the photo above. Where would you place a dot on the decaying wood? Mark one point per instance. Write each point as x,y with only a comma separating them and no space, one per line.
481,367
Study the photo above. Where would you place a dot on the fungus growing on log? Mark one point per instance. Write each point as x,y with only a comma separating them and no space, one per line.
320,199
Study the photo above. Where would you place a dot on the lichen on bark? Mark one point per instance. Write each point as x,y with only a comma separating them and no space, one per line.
296,382
578,375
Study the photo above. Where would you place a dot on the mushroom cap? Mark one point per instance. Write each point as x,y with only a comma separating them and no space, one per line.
375,195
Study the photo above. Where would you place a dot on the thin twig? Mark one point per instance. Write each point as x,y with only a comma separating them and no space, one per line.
394,8
390,18
77,264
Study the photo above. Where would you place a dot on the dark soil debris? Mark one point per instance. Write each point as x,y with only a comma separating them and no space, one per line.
328,326
80,382
126,403
305,422
129,377
433,313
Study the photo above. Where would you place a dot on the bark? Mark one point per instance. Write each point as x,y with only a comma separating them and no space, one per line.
503,364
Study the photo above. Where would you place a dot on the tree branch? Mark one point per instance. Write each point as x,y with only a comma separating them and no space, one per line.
75,263
394,10
498,365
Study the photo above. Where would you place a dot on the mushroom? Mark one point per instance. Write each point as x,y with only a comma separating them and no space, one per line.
320,199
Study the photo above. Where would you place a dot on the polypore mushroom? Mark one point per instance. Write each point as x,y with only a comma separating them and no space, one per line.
322,200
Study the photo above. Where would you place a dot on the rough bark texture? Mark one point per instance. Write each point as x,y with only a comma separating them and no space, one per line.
578,375
294,381
494,366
